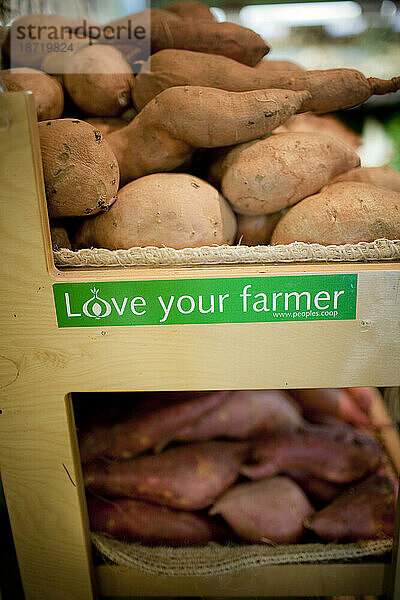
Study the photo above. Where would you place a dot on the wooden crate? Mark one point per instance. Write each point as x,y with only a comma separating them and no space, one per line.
40,365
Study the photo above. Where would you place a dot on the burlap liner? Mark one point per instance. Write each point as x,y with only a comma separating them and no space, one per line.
214,559
379,250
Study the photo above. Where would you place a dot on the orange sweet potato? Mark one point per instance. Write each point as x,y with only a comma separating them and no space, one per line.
380,176
271,510
188,477
346,212
166,132
243,415
143,426
337,454
330,90
136,521
364,511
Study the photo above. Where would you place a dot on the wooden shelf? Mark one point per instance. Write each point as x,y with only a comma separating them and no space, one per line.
40,365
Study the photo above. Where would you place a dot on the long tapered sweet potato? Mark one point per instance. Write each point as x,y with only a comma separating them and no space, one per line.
48,92
168,30
188,477
333,402
330,90
166,132
136,521
337,454
364,511
190,9
267,511
278,65
380,176
356,212
142,427
276,172
242,415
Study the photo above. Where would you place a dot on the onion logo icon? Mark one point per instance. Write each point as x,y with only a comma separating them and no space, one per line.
96,307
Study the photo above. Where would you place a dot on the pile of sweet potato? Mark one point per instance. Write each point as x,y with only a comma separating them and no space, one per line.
211,143
190,468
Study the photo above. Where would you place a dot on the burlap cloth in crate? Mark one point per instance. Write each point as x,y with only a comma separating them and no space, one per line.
214,559
379,250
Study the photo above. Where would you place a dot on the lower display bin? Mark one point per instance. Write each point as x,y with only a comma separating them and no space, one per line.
308,569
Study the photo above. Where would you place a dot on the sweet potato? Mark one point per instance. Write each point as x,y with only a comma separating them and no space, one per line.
343,213
144,425
270,511
188,477
135,521
330,90
190,9
100,81
80,170
337,454
163,209
334,402
254,230
59,236
48,93
168,30
166,132
278,171
243,415
380,176
278,65
321,124
364,511
107,125
317,489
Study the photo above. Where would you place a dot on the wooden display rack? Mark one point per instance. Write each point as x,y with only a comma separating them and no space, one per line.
41,365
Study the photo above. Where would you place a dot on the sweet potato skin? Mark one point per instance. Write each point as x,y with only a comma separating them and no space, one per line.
166,132
255,230
188,477
380,176
326,124
190,9
278,171
356,212
100,81
80,169
173,210
318,490
136,521
330,90
337,454
140,429
271,510
364,511
48,93
243,415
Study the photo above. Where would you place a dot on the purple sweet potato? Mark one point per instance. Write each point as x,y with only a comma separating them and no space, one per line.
271,510
143,427
188,477
136,521
338,403
243,415
337,454
364,511
316,488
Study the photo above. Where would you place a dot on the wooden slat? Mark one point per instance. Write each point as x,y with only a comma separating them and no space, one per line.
275,581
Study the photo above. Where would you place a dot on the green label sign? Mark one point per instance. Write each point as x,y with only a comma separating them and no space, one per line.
197,301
